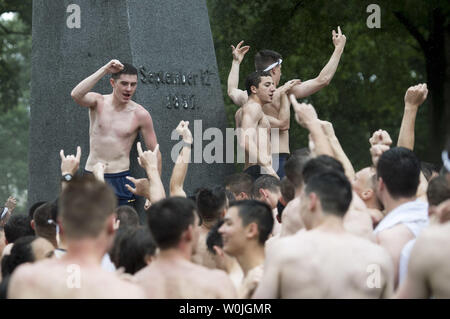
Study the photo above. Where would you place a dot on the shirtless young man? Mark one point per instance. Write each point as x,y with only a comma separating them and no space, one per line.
211,206
278,114
253,125
326,261
174,225
247,225
115,121
87,219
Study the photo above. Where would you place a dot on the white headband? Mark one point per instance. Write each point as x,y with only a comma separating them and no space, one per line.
270,67
446,160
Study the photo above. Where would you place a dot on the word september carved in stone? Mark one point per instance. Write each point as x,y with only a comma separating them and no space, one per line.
176,101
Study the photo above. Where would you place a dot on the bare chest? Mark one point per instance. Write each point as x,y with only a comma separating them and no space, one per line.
106,121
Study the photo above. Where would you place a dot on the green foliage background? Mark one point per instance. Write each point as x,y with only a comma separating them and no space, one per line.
376,68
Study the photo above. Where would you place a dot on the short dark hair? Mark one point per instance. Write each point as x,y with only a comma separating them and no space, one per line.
399,168
85,204
428,169
253,79
287,189
18,225
239,183
334,191
211,202
21,252
214,238
135,245
268,182
33,208
169,218
43,216
264,58
253,211
438,190
293,169
321,164
127,69
127,216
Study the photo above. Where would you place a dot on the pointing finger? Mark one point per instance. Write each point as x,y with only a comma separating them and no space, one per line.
339,30
61,154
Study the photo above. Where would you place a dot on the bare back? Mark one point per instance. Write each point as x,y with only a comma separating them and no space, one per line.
202,256
57,279
181,279
318,264
112,133
428,268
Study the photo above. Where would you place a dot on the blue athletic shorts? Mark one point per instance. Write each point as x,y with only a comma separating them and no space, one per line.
118,181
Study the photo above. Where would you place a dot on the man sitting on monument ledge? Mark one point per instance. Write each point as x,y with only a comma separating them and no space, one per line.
115,121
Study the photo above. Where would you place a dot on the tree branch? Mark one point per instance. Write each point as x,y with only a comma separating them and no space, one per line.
412,29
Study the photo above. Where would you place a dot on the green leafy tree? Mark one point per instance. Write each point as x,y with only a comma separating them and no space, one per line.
376,68
15,50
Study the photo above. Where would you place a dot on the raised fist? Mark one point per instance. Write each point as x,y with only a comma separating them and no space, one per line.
380,137
416,95
114,66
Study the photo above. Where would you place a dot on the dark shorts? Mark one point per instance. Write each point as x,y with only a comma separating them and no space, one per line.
278,161
118,181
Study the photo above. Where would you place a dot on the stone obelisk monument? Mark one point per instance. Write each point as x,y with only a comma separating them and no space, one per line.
170,43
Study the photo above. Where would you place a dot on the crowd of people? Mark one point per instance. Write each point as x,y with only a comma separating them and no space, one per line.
301,224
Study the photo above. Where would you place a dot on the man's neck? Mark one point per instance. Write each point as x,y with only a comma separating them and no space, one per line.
331,224
86,251
390,204
298,191
255,99
251,258
174,254
116,103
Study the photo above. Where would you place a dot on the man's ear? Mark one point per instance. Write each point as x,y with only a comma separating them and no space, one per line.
251,230
219,251
112,81
367,194
313,202
32,224
262,193
188,234
380,184
253,89
110,224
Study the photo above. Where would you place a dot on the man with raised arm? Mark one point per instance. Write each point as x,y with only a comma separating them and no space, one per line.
115,121
268,60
